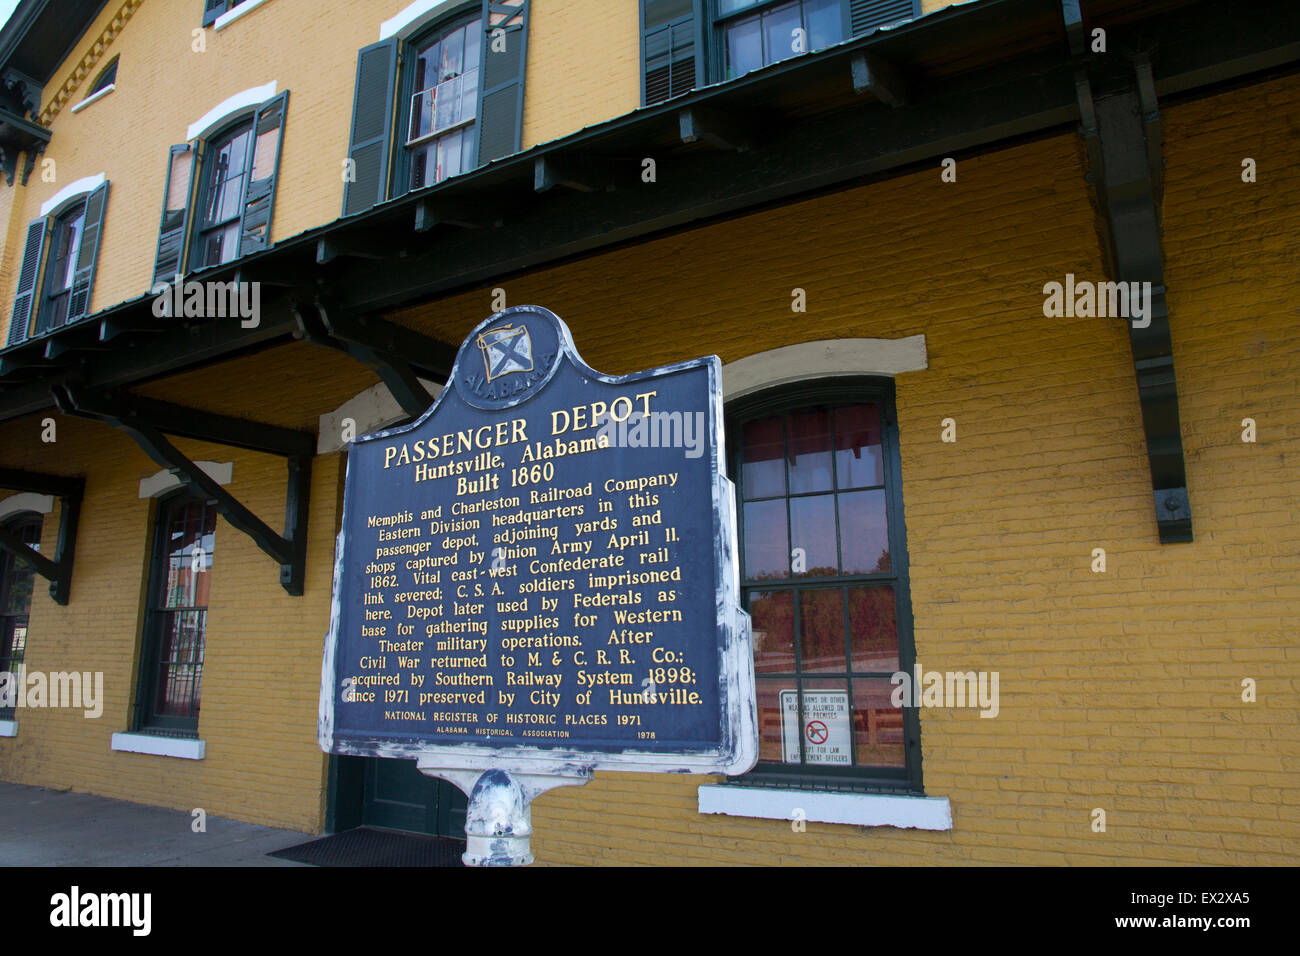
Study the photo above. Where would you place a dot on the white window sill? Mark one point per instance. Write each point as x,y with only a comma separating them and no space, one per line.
184,747
8,728
819,806
230,16
93,97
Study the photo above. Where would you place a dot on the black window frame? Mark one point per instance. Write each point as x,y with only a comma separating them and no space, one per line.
28,526
403,161
52,298
718,23
145,717
805,396
199,227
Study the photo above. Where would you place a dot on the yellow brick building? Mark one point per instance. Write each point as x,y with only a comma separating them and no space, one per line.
879,213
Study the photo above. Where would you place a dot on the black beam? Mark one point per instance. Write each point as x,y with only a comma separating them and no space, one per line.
877,76
57,570
1125,160
195,423
282,549
583,173
378,345
445,211
699,124
26,553
296,502
60,486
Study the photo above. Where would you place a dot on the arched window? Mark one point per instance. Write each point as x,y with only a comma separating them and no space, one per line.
171,671
17,580
824,578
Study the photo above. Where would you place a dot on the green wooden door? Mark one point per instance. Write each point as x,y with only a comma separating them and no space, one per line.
397,796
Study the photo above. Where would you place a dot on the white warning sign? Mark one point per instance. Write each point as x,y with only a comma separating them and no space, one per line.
826,732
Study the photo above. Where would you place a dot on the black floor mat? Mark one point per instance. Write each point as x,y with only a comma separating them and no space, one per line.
365,846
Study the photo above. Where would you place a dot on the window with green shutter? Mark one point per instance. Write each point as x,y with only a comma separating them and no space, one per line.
685,43
219,193
57,271
437,103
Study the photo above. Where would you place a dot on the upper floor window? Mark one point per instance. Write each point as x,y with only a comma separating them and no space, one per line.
57,270
219,193
434,103
823,576
756,33
17,580
686,43
441,135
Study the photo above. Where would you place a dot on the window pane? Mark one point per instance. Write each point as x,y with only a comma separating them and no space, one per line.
772,615
812,536
877,725
467,136
810,451
744,42
873,629
180,664
766,540
822,19
858,451
473,43
769,693
779,28
864,532
763,459
823,734
733,6
453,54
821,630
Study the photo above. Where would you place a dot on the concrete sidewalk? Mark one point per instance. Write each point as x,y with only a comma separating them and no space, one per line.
40,827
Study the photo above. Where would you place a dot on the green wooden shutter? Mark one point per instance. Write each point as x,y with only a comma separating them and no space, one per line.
668,60
867,14
83,278
370,147
211,10
38,232
177,191
501,82
264,165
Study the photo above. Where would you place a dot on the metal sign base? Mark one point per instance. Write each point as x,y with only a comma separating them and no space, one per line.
499,821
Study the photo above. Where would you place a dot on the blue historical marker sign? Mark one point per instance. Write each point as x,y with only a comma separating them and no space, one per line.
539,575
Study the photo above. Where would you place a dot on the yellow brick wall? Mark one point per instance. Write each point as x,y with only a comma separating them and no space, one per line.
584,66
